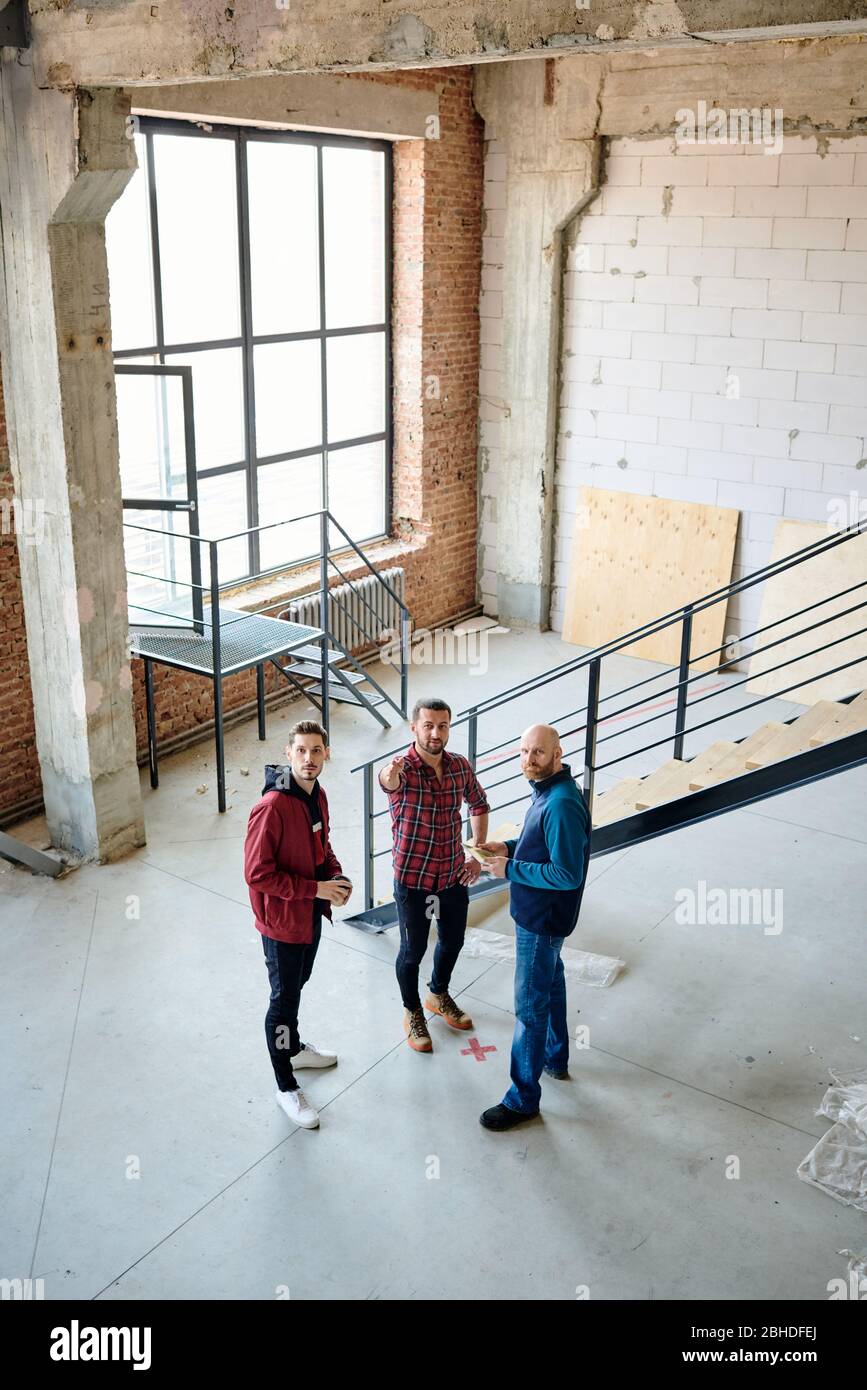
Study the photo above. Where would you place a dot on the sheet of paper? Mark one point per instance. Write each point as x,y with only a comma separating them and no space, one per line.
507,831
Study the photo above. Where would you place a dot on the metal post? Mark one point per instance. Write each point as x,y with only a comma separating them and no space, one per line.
218,677
404,664
152,722
472,754
368,836
590,738
323,615
260,699
680,716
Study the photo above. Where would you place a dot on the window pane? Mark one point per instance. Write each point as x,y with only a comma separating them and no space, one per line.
356,491
158,567
288,489
222,511
284,246
130,273
218,404
150,422
288,391
197,212
356,386
354,202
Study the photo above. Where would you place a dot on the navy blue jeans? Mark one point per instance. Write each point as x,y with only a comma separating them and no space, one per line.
289,966
416,909
541,1032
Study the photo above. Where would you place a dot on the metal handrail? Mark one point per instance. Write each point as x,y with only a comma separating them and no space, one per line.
217,623
680,706
656,625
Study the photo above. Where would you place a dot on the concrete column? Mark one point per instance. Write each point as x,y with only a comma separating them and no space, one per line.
64,159
548,133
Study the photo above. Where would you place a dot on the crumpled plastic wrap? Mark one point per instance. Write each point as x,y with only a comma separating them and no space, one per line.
583,967
838,1163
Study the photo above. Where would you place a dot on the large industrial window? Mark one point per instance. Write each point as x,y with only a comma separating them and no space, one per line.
262,260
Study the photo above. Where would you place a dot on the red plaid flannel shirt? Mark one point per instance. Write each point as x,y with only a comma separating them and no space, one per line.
426,820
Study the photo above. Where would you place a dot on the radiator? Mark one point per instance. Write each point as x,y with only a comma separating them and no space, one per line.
358,613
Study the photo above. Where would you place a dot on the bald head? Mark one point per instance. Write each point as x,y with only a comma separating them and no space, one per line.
541,754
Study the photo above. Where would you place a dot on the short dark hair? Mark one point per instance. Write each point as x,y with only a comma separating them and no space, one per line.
429,704
307,726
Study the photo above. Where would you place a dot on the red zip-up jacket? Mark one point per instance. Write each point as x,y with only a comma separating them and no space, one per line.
280,858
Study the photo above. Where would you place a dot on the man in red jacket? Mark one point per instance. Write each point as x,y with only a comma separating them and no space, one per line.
294,877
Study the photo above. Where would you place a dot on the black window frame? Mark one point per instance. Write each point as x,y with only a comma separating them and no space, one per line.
247,341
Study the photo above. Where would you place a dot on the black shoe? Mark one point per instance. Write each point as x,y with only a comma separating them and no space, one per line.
557,1075
503,1117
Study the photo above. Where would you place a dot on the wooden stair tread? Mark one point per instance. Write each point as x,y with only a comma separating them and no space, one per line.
665,784
707,761
851,720
734,763
795,738
616,802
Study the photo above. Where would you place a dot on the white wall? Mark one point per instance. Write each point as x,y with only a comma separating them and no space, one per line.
695,267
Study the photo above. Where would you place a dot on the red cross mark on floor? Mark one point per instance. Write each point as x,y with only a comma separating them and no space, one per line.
475,1050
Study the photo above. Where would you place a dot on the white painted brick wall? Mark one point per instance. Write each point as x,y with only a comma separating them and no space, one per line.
754,281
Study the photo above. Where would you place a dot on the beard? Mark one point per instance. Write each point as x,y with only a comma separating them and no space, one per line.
438,745
539,774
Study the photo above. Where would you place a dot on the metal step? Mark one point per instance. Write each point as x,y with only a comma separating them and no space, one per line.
314,670
338,691
313,656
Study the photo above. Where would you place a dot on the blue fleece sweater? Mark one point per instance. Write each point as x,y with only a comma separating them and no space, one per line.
547,865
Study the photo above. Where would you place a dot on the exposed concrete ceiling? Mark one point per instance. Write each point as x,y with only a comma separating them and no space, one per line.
138,42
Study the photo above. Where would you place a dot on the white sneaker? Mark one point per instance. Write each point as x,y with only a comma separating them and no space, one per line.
311,1056
298,1108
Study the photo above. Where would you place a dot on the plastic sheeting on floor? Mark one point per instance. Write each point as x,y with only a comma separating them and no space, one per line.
838,1163
583,967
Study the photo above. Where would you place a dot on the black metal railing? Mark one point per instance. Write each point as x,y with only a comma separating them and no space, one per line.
676,695
212,619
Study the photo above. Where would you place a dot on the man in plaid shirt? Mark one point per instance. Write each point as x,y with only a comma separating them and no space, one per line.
426,791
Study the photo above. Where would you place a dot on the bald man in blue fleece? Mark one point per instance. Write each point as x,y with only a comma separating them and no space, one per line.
546,868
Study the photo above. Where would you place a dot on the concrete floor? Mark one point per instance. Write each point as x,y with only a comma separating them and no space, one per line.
145,1156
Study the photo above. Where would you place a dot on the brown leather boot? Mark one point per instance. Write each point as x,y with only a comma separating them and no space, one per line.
415,1027
445,1006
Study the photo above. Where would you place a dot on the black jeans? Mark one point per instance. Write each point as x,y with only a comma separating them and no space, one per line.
416,907
289,966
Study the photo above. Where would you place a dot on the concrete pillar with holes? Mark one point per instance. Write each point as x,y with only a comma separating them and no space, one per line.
64,160
551,152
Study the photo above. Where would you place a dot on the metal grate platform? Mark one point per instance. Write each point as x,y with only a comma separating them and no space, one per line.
246,639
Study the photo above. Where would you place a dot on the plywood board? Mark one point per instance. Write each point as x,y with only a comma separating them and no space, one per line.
796,588
637,558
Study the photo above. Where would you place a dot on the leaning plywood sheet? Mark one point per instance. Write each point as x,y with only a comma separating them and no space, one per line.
637,558
799,587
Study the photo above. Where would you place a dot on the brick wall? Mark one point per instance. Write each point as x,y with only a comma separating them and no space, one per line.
715,338
19,766
436,259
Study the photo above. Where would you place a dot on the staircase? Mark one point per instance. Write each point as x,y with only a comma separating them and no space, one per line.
771,743
729,773
348,682
328,670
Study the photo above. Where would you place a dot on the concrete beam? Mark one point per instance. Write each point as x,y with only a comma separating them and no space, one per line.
63,161
327,103
552,155
121,43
